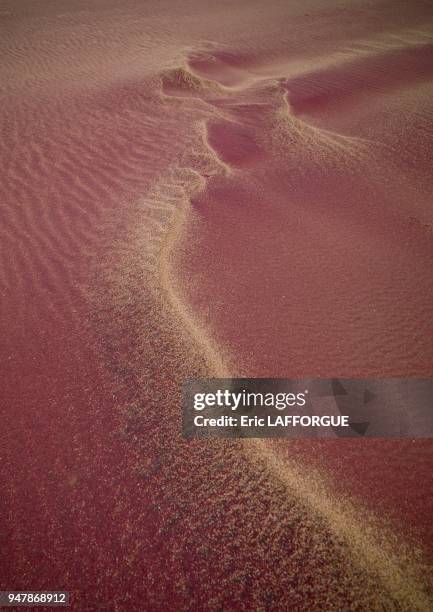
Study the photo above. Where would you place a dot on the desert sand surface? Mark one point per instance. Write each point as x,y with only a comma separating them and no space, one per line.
211,189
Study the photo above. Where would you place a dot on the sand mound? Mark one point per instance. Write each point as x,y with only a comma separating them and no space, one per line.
181,82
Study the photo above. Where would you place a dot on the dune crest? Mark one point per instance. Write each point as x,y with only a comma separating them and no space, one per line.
188,191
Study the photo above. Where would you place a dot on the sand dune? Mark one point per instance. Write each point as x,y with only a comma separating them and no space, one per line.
354,80
190,190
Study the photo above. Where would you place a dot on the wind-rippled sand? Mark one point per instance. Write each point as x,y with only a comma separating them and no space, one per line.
192,190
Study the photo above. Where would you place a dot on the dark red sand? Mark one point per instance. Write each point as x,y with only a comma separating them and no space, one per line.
307,253
310,261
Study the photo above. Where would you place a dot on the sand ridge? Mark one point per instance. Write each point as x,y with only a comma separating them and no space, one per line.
394,564
148,151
